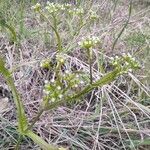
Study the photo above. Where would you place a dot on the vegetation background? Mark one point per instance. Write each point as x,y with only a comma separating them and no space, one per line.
116,116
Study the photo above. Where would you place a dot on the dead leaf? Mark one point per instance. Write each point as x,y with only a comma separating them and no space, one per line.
3,104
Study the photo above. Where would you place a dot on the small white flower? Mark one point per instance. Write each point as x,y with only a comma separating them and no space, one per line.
81,82
48,3
67,5
126,63
123,54
58,88
67,71
112,58
46,92
41,65
133,59
116,57
61,60
129,55
115,63
52,80
53,99
76,85
77,76
36,7
130,70
60,95
46,81
80,43
96,42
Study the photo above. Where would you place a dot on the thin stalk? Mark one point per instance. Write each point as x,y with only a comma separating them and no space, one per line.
78,3
54,21
17,147
121,32
58,76
90,64
34,120
19,104
101,61
115,5
55,30
21,25
90,4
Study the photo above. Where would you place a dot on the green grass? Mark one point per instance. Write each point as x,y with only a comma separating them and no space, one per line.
116,116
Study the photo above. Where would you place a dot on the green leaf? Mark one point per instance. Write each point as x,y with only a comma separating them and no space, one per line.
145,142
4,24
44,145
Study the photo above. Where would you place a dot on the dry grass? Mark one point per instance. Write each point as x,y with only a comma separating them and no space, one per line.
111,117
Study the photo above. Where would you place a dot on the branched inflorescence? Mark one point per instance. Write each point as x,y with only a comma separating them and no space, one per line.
55,8
125,64
89,42
63,83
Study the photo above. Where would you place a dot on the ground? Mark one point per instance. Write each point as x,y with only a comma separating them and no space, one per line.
114,116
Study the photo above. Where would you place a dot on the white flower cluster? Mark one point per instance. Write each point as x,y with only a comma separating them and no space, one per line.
72,80
48,63
76,11
125,64
60,58
52,90
93,15
67,6
45,64
54,7
89,42
37,7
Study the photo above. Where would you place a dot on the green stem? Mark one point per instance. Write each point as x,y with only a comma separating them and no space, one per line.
18,143
35,119
55,30
22,120
58,76
54,21
121,32
21,25
44,145
90,64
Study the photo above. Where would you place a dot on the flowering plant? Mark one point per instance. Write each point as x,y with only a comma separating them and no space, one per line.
61,88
